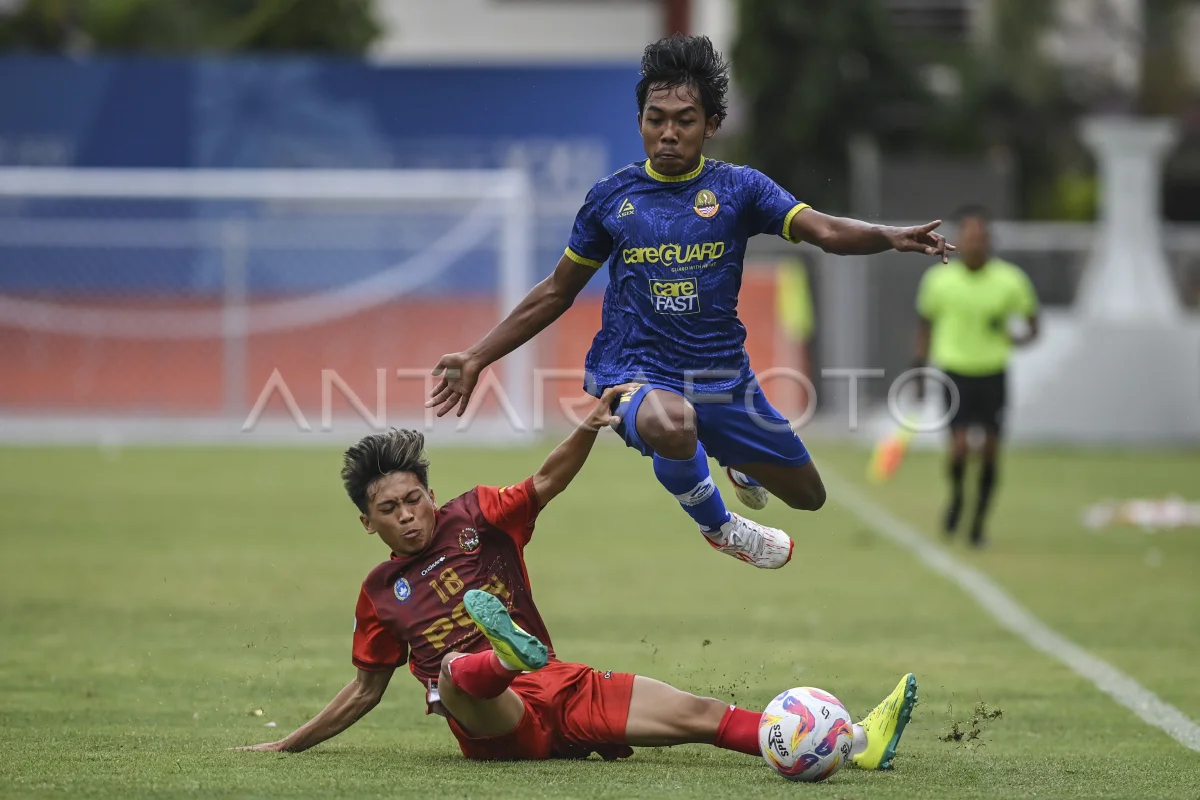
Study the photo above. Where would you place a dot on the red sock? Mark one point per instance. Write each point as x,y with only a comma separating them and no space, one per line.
738,731
481,675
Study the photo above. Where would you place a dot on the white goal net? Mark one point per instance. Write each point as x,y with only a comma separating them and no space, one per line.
252,305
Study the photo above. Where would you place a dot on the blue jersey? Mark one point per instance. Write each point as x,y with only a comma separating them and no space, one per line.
674,247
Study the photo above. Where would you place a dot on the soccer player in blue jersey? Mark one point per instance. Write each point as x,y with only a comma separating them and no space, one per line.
673,231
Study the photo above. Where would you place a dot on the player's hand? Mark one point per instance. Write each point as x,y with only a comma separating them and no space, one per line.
270,747
922,239
602,415
459,373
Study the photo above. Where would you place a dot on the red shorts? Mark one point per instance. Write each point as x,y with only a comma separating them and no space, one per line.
571,711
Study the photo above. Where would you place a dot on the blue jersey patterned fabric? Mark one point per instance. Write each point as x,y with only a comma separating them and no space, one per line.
675,247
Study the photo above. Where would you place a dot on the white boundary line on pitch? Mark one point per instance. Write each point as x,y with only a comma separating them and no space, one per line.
1012,615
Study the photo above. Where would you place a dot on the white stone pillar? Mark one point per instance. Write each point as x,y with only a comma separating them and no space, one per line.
1123,365
1128,279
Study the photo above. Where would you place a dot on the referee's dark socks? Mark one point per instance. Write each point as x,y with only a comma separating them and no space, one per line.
987,482
958,469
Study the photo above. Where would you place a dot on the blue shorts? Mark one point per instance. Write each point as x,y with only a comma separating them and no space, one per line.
745,430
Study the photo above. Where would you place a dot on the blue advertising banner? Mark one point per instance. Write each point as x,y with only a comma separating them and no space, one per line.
567,126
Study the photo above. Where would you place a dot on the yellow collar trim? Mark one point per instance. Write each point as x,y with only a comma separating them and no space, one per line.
658,176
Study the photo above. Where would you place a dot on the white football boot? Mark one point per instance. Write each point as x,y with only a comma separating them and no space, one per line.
765,548
752,496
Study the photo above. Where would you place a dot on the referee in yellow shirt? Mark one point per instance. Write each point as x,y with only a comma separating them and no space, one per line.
965,309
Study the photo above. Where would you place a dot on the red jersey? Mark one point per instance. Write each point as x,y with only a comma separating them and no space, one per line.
410,607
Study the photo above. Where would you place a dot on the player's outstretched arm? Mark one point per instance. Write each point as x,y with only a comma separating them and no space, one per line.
850,237
351,704
545,303
562,465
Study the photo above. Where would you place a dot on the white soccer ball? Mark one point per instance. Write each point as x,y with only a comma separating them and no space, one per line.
806,734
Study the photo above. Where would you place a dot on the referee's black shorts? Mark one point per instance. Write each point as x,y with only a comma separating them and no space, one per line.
981,400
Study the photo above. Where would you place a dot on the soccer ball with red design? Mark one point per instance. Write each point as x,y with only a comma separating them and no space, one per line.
806,734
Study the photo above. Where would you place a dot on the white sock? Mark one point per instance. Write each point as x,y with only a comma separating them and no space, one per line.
504,662
860,741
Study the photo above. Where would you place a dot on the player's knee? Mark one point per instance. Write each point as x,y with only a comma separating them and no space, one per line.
677,442
816,497
444,676
668,429
809,497
699,717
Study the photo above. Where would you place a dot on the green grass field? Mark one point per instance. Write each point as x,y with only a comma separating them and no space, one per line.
154,598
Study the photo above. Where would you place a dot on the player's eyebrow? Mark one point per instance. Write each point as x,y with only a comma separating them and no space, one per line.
651,107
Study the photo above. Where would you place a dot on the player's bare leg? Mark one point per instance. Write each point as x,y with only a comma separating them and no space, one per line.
661,716
493,716
475,687
799,487
666,423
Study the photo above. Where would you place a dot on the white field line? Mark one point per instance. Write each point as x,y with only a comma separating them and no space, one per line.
1012,615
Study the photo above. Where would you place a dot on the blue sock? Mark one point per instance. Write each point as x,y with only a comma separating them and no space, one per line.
692,484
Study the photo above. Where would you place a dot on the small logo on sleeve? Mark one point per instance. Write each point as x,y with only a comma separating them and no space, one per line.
626,209
706,204
403,590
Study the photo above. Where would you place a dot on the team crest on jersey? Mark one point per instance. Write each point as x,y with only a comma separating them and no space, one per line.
706,204
626,209
402,589
468,540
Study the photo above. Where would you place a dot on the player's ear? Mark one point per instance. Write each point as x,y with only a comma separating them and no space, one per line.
432,496
710,126
366,523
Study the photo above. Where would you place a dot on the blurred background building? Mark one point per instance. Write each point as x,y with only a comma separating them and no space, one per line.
896,110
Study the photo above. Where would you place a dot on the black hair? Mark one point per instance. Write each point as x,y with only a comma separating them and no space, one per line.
686,61
380,454
972,211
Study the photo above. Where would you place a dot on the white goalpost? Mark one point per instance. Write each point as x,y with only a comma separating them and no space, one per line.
124,294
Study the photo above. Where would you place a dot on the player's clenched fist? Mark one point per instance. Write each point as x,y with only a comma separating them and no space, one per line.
459,373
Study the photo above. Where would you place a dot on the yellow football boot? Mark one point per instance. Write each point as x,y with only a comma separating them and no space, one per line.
516,648
885,725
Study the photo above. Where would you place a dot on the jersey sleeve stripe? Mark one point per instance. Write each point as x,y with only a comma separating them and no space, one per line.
786,233
373,666
578,259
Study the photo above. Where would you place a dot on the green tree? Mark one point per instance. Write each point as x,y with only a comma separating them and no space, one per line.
814,74
188,26
1014,98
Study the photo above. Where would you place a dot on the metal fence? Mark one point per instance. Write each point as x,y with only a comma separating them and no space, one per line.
865,306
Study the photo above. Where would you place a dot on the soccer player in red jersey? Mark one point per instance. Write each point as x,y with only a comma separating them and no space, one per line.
454,601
